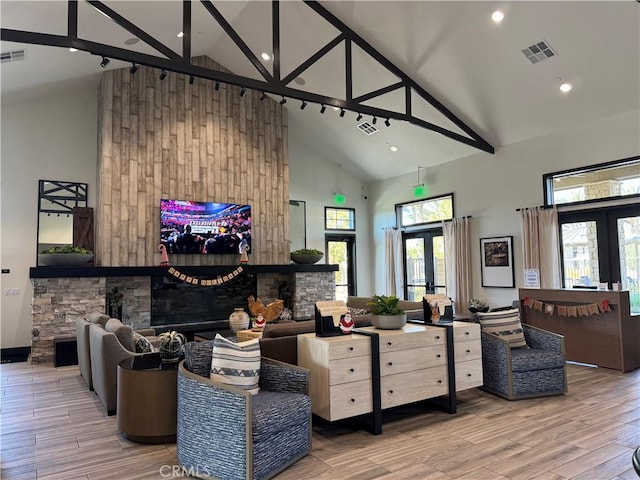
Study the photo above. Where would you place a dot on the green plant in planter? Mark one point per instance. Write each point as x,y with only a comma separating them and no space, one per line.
114,300
67,249
383,305
306,255
307,251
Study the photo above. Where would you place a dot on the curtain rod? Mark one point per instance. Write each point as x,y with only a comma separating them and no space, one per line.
544,207
466,216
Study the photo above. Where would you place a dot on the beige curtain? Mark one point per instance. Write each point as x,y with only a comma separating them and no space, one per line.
457,254
541,244
393,261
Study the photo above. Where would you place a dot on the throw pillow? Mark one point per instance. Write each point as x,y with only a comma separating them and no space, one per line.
143,345
358,311
236,364
505,324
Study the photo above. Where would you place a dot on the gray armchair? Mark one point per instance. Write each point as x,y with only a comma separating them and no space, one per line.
226,433
82,342
517,373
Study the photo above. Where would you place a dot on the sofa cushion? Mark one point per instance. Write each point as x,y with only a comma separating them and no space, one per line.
274,412
505,324
124,333
236,364
530,359
97,317
142,344
197,357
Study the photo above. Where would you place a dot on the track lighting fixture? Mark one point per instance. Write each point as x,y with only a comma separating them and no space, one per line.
374,120
192,79
387,122
105,61
303,106
359,117
323,108
163,74
133,69
263,97
242,92
217,87
341,112
283,101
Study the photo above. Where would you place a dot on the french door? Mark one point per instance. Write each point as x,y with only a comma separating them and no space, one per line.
423,259
602,247
341,251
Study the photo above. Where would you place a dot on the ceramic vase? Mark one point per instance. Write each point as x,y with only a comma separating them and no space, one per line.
238,320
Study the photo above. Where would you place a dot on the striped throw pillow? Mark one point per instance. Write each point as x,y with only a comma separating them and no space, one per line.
505,324
236,364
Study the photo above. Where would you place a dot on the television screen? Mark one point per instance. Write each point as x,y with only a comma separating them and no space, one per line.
205,227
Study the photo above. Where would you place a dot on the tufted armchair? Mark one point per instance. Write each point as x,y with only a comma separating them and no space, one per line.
227,433
517,373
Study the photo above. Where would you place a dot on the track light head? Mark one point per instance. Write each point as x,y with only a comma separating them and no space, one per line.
192,79
283,101
263,97
303,105
387,122
105,61
374,120
242,92
359,117
342,112
323,108
217,87
133,69
163,74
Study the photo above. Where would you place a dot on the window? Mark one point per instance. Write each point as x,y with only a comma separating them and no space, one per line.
589,184
341,250
339,218
422,212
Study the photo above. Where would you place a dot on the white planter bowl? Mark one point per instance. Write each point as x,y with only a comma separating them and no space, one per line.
389,322
64,259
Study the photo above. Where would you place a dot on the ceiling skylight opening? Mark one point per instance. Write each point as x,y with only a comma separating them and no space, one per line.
566,87
265,56
180,34
393,148
497,16
73,50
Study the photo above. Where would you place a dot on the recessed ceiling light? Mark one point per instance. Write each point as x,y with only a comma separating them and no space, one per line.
566,87
131,41
265,56
497,16
393,148
180,34
73,49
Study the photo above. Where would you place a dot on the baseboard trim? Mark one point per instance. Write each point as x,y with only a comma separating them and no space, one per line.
15,354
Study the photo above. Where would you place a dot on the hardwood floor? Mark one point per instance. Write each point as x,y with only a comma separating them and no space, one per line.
53,427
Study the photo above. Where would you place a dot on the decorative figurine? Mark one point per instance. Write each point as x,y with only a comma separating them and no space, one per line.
164,257
244,249
346,323
260,322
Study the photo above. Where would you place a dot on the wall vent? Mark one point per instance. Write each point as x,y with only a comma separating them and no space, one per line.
539,51
367,128
12,56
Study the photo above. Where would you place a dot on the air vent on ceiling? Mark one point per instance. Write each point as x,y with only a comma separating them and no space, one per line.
367,128
12,56
539,51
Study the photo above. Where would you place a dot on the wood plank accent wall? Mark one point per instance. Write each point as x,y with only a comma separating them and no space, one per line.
168,139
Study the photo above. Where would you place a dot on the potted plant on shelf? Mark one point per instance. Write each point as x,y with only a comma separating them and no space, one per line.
171,345
306,256
385,313
64,255
476,306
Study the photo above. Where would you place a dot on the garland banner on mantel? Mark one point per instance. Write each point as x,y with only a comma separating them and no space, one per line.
585,310
199,281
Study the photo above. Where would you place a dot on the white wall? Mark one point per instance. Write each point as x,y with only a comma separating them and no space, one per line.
314,179
491,187
52,138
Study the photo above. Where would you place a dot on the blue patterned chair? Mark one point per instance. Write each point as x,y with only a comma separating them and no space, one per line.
517,373
227,433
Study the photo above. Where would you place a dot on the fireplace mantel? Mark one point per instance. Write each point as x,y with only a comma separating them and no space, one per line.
77,272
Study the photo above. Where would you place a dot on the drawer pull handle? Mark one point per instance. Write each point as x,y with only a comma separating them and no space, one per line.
466,333
353,400
351,370
438,355
468,374
389,343
439,381
390,363
390,391
468,351
437,337
351,349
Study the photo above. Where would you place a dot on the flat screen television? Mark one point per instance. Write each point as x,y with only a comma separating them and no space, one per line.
205,227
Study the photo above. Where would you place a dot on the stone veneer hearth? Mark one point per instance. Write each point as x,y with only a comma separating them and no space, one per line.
59,300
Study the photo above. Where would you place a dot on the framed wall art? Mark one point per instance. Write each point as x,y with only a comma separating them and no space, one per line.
496,264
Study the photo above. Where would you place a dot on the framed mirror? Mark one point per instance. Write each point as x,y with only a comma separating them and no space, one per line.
297,224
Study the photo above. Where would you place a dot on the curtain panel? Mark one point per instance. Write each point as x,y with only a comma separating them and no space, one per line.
541,244
457,254
393,262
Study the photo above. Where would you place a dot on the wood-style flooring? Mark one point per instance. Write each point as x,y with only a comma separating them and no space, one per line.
53,427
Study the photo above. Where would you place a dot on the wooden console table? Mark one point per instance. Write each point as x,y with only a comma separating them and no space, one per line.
609,339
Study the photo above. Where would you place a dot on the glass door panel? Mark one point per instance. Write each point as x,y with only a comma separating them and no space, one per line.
438,265
580,254
423,264
628,229
340,252
414,268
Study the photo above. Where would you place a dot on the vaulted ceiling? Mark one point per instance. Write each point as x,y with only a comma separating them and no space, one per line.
451,49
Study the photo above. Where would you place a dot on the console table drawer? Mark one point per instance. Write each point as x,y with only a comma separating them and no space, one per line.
412,359
350,399
469,374
349,370
465,351
464,331
394,342
348,347
414,386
